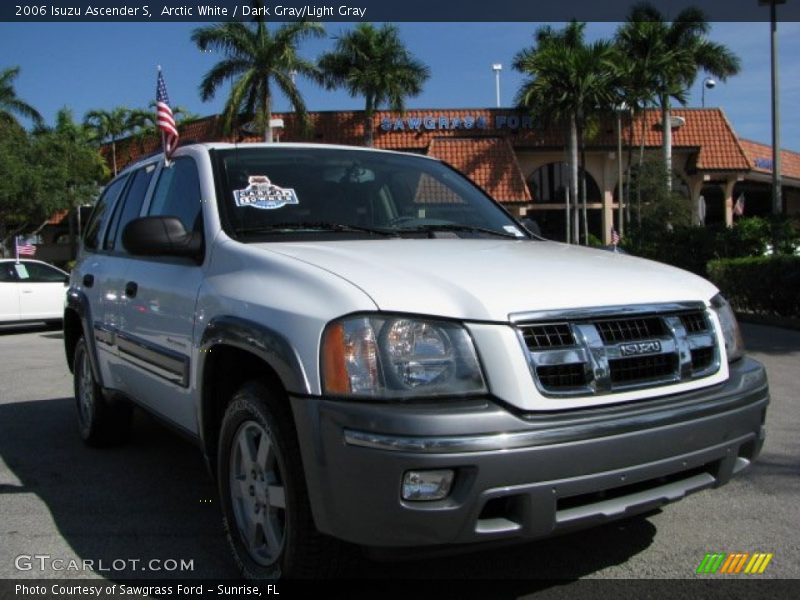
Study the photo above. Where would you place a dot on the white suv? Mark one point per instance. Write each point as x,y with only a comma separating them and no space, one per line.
367,347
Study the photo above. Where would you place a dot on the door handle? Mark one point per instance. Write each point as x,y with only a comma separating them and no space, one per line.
88,280
131,288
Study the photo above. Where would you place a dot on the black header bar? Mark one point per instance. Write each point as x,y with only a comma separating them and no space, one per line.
378,10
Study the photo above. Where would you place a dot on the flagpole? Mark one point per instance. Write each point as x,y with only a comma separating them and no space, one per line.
163,136
16,248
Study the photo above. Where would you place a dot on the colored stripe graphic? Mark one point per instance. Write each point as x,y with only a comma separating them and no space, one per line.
723,563
758,564
711,563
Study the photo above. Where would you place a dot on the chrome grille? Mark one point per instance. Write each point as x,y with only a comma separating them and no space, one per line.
643,368
548,335
601,351
628,330
562,376
694,322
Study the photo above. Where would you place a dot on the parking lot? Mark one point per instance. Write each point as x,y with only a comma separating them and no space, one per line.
150,506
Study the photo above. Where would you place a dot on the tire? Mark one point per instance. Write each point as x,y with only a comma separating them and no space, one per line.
263,492
100,422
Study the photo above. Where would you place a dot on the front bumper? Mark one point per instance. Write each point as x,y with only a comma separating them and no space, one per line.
521,476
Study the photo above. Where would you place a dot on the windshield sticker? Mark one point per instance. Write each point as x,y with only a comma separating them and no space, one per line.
22,271
261,193
514,230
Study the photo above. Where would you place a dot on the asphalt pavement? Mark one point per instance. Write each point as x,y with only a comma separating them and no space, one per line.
152,504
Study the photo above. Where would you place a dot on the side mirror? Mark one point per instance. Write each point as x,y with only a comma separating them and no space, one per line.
532,226
160,236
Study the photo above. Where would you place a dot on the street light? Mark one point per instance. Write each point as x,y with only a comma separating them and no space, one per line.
777,201
709,84
620,109
497,67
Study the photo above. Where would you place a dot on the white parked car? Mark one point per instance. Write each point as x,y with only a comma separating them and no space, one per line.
30,291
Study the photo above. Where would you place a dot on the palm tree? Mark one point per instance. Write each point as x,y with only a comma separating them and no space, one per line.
110,126
374,63
567,82
10,104
675,53
255,60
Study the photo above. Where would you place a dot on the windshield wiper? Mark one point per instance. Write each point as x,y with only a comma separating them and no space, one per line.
317,226
457,227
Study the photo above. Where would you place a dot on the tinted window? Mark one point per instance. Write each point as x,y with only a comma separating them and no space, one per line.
102,209
7,272
130,208
178,194
32,272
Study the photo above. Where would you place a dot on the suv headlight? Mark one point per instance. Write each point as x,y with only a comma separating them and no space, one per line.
393,357
734,346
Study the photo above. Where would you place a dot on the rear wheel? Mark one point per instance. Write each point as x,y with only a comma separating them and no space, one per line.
100,422
263,492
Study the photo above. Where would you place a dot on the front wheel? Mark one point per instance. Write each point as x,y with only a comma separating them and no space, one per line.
100,422
263,492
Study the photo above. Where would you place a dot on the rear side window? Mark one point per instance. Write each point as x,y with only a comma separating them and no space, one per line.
129,208
177,194
101,212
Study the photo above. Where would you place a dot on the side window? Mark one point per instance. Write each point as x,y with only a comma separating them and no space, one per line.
7,273
129,207
39,273
101,212
177,194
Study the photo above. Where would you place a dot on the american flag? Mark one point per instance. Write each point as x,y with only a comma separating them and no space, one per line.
166,122
614,237
24,247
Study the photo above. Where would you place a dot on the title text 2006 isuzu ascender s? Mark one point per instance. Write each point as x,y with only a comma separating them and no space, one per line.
367,347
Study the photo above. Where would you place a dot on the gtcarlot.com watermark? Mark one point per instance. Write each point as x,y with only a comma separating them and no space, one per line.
48,563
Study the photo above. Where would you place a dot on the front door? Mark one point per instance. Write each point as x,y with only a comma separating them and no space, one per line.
42,291
158,311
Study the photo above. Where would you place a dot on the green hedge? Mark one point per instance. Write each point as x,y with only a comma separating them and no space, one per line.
764,285
691,248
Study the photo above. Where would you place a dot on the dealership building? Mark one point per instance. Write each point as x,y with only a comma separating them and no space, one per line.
524,167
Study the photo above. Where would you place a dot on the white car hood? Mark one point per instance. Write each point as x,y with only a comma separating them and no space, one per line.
487,280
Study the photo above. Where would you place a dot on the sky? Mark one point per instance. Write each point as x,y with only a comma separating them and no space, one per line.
87,66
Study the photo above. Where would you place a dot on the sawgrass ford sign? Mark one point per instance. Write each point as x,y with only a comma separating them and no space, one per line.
435,121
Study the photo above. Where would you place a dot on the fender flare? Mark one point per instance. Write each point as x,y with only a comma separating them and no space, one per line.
79,304
269,345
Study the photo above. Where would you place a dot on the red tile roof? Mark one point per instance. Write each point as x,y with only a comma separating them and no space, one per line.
706,132
760,156
489,162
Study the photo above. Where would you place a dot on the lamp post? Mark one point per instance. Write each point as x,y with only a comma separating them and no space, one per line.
709,84
497,67
621,184
777,200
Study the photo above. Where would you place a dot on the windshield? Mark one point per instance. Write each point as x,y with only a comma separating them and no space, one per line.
285,192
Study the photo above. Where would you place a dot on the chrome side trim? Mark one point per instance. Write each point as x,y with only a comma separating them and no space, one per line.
444,444
172,366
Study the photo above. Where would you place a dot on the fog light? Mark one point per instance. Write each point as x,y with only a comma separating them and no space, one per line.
427,485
